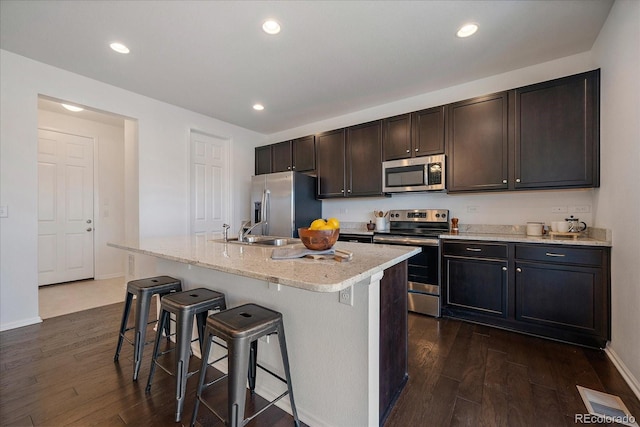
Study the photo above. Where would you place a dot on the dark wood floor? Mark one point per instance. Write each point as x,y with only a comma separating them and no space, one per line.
461,374
61,372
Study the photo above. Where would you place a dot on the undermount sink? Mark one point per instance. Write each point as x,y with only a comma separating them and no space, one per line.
262,241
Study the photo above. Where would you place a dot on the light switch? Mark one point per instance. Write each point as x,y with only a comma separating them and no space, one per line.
4,211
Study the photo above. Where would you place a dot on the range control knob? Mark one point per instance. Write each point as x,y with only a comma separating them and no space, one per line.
444,215
437,215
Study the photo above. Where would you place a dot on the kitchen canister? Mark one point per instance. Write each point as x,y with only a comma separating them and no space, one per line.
381,223
535,228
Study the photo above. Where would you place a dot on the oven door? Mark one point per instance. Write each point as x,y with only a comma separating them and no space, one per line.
423,284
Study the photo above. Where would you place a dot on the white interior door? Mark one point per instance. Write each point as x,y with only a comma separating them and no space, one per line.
209,193
65,207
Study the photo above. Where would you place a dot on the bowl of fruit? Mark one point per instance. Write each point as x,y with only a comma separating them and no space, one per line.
320,235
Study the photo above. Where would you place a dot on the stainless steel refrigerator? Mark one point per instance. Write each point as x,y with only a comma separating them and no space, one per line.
284,201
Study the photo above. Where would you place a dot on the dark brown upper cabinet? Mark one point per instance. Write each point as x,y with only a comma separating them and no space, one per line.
557,133
349,161
420,133
295,155
478,144
263,160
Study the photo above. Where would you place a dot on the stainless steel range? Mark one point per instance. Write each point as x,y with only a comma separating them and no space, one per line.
419,227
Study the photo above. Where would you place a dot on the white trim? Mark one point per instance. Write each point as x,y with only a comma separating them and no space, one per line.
632,381
21,323
110,276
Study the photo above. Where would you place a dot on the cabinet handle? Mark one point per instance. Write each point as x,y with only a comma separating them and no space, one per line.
504,268
416,149
349,191
474,250
294,167
407,151
517,179
342,190
504,181
555,255
519,270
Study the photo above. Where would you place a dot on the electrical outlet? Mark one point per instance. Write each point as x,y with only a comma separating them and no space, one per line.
581,209
132,265
473,209
346,296
343,210
559,209
4,211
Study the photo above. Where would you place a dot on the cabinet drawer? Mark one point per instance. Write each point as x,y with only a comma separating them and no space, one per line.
475,249
560,254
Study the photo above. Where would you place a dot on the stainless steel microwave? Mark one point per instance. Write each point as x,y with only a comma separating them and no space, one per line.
414,174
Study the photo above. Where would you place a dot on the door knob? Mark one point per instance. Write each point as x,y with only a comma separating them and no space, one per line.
89,229
88,221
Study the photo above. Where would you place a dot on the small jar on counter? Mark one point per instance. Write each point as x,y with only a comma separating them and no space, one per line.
454,226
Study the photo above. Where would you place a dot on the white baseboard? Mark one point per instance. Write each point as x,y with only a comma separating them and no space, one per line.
109,276
632,381
21,323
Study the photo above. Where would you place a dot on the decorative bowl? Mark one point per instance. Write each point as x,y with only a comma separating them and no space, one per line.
318,240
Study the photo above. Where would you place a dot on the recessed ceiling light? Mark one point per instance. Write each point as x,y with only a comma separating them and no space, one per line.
258,107
72,108
467,30
271,27
119,47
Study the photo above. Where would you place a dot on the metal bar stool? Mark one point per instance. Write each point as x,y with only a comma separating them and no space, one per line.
184,305
240,328
143,289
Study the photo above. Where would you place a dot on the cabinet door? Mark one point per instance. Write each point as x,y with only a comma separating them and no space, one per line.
478,144
364,159
477,285
330,152
561,296
557,136
281,157
397,137
427,134
304,153
263,159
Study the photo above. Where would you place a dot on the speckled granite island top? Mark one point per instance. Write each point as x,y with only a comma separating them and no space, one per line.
255,262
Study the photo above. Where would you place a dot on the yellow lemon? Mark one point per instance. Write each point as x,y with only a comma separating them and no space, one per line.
325,227
333,222
316,224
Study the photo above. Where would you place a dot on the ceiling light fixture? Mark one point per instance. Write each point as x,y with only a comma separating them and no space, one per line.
271,27
119,47
467,30
72,108
258,107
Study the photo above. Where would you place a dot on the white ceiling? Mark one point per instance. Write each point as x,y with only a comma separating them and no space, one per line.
330,59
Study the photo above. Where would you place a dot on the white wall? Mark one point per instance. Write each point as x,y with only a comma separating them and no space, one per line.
163,135
617,52
109,215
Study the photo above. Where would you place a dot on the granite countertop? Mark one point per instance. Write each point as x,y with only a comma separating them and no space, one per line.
255,261
500,233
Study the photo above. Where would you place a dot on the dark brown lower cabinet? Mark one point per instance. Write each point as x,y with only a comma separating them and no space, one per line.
555,291
393,336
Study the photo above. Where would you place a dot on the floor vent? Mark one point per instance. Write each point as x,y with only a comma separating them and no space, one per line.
603,408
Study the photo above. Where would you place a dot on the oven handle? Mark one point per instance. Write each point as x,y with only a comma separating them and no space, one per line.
402,240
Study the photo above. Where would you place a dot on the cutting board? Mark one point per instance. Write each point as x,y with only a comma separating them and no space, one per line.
290,253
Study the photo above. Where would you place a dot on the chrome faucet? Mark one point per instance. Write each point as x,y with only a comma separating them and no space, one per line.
244,231
226,231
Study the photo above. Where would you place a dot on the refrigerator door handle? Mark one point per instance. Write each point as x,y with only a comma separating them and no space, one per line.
264,215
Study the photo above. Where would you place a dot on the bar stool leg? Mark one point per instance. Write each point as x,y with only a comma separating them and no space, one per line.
142,317
164,320
285,361
201,377
183,348
253,366
123,324
239,348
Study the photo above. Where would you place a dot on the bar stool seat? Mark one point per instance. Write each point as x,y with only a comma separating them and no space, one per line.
184,305
143,290
240,328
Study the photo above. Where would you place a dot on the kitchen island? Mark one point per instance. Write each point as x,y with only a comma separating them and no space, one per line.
334,348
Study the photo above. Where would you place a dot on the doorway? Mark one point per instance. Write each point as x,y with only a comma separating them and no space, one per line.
109,147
